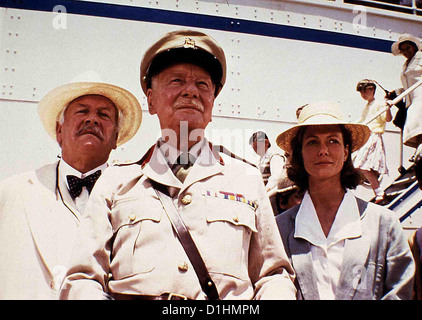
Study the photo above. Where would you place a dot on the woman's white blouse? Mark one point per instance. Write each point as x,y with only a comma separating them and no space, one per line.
327,252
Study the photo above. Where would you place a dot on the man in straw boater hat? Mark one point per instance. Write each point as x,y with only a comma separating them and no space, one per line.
40,211
361,244
185,222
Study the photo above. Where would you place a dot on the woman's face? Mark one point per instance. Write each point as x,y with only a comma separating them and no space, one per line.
323,152
407,49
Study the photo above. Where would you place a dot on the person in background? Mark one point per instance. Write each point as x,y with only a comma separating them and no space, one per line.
371,158
272,164
409,47
272,161
288,195
40,210
340,246
133,252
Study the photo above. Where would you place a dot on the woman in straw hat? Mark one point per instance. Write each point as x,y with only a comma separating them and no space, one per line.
410,47
340,246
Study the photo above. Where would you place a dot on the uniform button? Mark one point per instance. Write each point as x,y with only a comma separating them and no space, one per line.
236,219
183,266
187,199
52,285
132,217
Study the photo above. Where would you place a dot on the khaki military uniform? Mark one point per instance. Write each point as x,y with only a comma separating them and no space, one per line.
126,233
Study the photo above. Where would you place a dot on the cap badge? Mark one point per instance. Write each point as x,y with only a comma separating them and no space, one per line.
189,43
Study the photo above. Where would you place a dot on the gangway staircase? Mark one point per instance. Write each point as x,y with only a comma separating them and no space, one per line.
404,197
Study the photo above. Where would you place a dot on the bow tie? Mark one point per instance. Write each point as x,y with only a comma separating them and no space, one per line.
76,184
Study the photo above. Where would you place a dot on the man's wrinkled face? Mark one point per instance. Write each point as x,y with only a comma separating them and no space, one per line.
182,92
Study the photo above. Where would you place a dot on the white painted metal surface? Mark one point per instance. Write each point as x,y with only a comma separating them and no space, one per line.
269,74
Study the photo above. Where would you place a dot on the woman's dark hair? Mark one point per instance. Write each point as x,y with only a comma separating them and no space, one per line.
350,177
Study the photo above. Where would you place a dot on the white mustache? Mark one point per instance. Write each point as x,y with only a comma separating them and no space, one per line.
189,104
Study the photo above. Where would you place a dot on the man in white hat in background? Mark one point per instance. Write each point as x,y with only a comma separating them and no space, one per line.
133,252
272,164
40,210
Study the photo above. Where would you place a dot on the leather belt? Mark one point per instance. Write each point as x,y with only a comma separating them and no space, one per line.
164,296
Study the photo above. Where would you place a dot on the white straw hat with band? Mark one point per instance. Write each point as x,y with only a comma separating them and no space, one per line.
395,48
55,101
324,113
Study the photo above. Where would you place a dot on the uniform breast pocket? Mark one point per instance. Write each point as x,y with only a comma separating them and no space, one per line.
230,227
133,223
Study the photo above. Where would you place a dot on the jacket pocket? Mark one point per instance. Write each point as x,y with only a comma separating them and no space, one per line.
234,214
230,227
132,222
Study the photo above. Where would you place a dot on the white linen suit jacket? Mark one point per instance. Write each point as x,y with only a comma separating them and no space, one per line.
37,233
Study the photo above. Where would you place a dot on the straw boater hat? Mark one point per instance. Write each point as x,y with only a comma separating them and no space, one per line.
184,46
324,113
403,38
55,101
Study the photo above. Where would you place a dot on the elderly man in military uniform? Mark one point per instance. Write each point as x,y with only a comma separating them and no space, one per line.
40,210
141,216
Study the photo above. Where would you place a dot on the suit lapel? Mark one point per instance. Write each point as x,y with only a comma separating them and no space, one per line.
302,264
354,261
300,252
40,205
64,195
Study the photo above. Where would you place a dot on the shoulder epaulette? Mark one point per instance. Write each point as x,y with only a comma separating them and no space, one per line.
222,149
145,158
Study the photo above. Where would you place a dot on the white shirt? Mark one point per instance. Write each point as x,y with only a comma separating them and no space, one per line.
65,169
327,252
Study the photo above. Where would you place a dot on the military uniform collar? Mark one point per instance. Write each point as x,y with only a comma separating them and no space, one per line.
155,166
171,153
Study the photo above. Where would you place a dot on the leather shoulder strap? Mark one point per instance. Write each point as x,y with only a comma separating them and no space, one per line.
207,285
